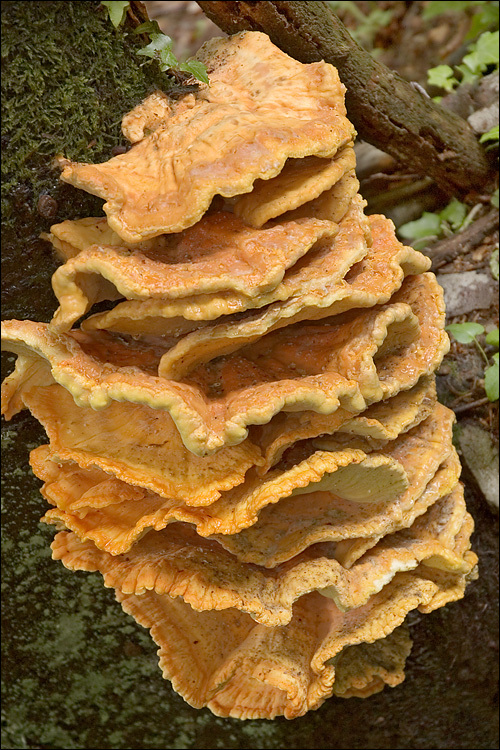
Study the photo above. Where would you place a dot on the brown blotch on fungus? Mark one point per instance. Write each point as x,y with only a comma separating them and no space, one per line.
248,446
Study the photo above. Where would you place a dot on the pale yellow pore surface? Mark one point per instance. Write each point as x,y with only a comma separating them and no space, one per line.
260,109
176,562
224,660
369,282
300,181
365,669
139,445
220,253
378,424
323,266
286,528
114,517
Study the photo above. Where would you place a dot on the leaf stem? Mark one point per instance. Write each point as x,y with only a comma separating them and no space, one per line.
485,356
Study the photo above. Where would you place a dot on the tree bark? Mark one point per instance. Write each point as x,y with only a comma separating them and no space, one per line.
386,110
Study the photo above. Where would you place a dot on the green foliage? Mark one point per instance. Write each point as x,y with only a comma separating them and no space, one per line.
63,97
436,8
367,25
443,77
494,263
161,49
422,231
482,55
116,10
491,377
486,19
484,15
196,69
454,214
494,199
492,338
467,333
491,135
432,226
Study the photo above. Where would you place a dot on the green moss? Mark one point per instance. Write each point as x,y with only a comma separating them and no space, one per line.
64,93
67,79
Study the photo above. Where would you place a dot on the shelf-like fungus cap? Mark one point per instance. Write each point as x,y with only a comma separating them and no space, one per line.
176,562
219,254
260,109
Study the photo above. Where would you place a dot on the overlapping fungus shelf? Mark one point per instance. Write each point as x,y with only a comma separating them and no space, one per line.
248,445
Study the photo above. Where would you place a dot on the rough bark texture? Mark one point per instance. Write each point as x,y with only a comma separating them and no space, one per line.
386,110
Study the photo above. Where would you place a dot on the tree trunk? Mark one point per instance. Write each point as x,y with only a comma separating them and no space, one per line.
386,110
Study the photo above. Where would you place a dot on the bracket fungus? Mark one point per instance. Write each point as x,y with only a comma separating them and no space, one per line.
248,446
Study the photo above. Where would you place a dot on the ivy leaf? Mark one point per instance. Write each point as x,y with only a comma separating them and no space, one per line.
491,135
492,338
484,52
167,59
454,213
160,48
116,11
494,264
196,68
465,333
150,27
494,199
491,379
158,43
467,75
443,77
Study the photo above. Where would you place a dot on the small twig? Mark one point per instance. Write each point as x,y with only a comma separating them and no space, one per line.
472,405
451,247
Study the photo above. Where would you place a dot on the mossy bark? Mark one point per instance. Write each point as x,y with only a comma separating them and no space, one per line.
67,78
386,110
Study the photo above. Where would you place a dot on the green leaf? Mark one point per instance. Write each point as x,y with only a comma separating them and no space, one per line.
491,379
150,27
167,59
196,68
483,53
465,333
429,225
494,199
494,264
158,43
454,213
116,11
453,6
492,338
491,135
467,75
442,76
486,19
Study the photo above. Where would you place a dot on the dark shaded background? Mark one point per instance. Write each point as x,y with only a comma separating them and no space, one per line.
79,673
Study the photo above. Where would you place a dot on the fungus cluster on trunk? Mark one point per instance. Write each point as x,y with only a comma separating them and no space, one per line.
248,445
